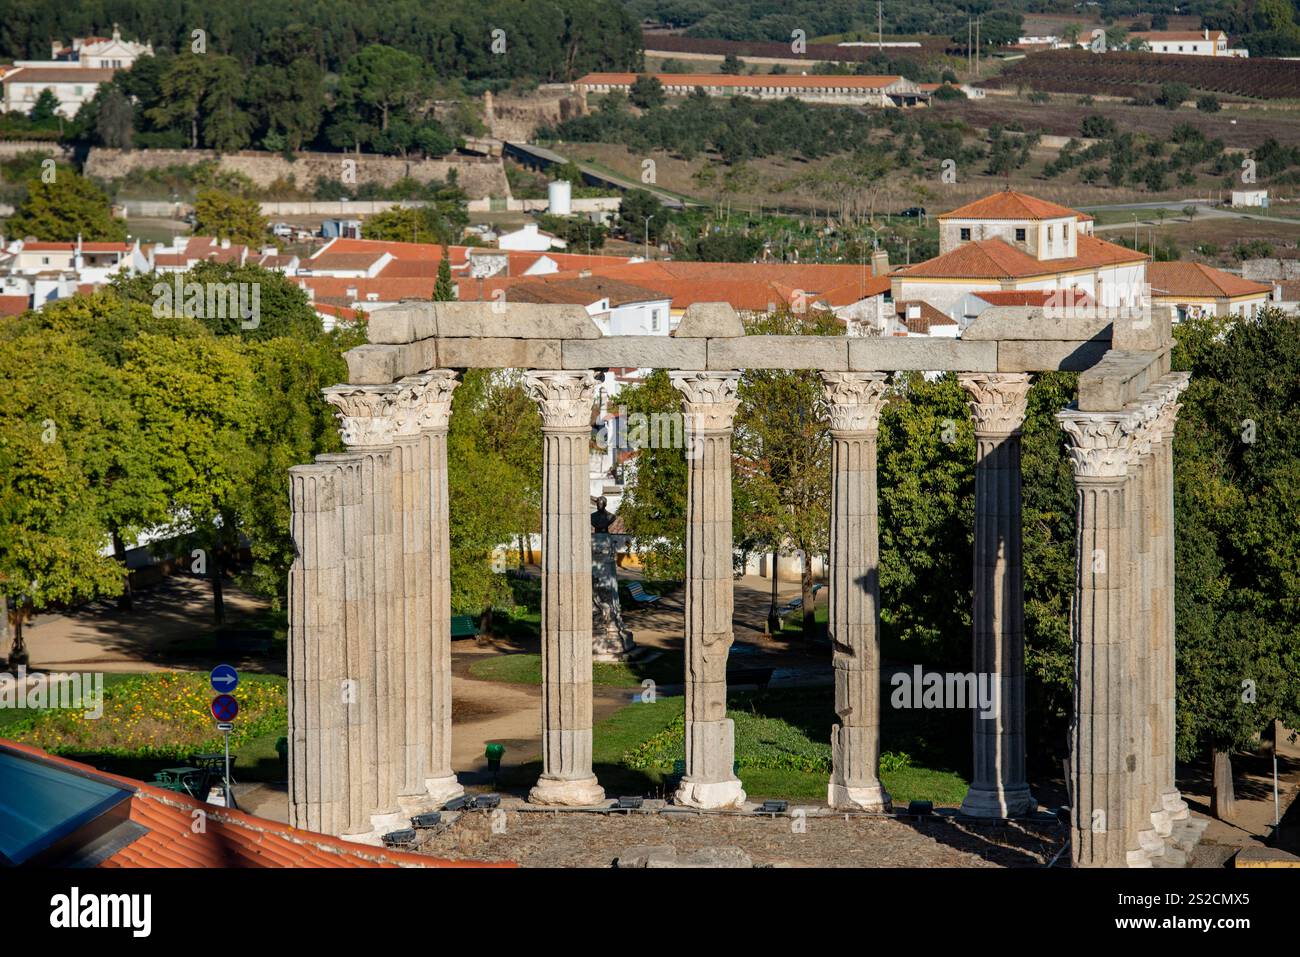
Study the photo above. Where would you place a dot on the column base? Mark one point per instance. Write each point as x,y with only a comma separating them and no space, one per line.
559,792
380,824
1152,844
443,789
1162,822
1137,858
1172,801
1018,801
871,798
710,795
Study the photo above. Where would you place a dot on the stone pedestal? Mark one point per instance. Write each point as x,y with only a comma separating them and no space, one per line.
610,638
856,399
709,405
565,400
1000,787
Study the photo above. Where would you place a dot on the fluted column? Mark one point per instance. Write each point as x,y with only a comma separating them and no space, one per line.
1166,660
420,472
1103,761
856,399
1000,787
709,406
373,633
318,793
565,400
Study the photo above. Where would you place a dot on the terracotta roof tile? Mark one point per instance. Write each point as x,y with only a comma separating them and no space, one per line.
783,81
230,838
1011,204
1197,279
997,259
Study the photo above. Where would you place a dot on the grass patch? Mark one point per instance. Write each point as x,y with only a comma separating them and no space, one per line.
157,720
782,748
667,669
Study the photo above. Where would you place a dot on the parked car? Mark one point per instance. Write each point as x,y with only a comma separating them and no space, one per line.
283,230
913,211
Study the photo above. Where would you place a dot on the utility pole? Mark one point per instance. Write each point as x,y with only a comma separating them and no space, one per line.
970,50
977,45
880,24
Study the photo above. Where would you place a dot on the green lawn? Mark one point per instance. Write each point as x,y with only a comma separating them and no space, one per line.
782,748
667,669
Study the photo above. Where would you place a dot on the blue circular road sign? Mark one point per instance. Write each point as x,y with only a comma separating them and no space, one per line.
224,678
224,707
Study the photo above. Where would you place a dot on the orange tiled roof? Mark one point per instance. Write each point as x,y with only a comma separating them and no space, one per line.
40,247
1012,204
1176,35
231,838
1197,279
1035,297
14,305
783,81
59,75
930,316
997,259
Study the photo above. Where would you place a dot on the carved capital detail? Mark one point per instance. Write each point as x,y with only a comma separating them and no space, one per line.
367,413
1170,388
997,400
709,399
1102,444
856,399
425,401
565,398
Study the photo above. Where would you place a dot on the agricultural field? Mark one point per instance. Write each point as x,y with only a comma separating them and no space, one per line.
1141,74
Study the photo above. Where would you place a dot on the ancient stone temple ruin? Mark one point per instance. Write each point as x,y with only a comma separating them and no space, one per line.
369,659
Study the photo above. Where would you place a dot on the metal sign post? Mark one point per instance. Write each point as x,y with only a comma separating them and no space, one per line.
225,708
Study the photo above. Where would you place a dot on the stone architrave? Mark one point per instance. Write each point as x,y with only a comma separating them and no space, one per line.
565,400
709,405
1000,787
367,416
856,400
1103,762
421,450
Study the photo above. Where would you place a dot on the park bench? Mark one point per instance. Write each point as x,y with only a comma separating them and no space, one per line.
464,626
640,595
795,604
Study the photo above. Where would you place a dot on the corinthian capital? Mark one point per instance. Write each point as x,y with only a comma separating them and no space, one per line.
997,400
425,401
1102,444
856,399
367,413
565,398
1170,387
709,399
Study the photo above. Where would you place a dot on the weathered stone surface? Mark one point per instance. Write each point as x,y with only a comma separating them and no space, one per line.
665,856
379,364
1035,322
1116,380
906,353
410,321
708,320
634,352
1149,329
1049,355
499,353
830,353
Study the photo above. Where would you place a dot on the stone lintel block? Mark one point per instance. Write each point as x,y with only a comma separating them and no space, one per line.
708,320
409,321
1039,323
1118,379
381,364
830,353
634,352
921,353
1144,332
1026,355
499,353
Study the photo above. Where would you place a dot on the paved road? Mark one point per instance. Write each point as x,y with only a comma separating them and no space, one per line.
542,154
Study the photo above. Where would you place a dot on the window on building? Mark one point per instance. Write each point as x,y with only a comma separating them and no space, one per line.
1020,235
965,234
1049,234
654,320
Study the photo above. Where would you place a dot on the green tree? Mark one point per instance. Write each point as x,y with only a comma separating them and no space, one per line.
231,217
647,92
65,208
45,108
653,508
443,289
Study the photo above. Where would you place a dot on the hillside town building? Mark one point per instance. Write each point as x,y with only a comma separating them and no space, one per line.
73,74
847,89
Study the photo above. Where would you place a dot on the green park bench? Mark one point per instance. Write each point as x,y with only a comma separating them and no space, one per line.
795,604
640,595
464,626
